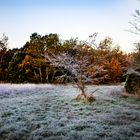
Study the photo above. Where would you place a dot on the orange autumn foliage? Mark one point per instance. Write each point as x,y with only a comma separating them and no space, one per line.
115,69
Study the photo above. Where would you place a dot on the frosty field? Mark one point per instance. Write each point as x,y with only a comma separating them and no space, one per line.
38,112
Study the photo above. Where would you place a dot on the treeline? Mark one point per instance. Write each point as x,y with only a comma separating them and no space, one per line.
106,62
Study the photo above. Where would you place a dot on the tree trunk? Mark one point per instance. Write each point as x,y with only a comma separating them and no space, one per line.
1,61
40,74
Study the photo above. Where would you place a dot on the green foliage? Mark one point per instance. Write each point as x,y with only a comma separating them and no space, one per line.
52,41
14,73
106,44
39,44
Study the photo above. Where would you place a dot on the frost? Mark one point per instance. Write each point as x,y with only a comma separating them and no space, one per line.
34,111
133,72
74,69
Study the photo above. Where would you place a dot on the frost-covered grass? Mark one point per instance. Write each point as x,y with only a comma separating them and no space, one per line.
38,112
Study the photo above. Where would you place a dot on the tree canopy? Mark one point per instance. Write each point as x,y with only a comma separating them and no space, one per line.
106,63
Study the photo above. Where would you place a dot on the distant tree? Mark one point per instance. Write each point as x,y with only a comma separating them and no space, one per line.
3,57
106,44
69,45
93,61
91,43
35,45
15,74
3,47
51,42
135,28
33,65
135,23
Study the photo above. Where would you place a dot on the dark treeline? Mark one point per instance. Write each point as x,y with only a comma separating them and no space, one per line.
107,63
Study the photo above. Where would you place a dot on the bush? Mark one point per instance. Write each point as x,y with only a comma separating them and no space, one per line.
132,83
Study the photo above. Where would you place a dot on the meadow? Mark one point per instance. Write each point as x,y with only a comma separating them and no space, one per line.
43,111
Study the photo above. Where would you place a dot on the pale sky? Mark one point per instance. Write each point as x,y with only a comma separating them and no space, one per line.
68,18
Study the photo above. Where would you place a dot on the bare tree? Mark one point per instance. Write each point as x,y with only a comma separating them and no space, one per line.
92,41
135,29
135,23
3,47
77,65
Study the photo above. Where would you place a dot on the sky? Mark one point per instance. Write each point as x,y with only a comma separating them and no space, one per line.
68,18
